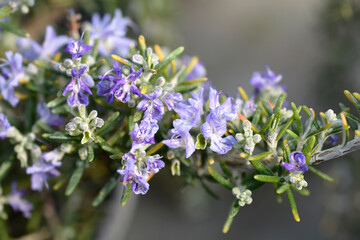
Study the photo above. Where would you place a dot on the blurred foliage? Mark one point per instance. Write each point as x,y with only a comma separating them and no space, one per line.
340,38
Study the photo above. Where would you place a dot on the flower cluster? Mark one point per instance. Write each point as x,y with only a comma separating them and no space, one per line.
84,124
244,196
248,139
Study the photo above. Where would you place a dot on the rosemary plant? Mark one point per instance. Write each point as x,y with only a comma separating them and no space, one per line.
100,100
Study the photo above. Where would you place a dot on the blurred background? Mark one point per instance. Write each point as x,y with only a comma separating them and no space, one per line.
315,45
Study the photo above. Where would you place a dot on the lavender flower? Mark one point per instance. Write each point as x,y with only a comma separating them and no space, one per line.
154,164
32,50
116,85
54,157
41,171
111,33
181,139
81,81
249,108
297,162
153,107
77,48
131,173
172,99
223,111
12,71
265,79
47,117
190,112
198,71
143,133
333,139
4,126
213,129
17,203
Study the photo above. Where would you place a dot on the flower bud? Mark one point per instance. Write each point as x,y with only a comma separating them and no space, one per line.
160,81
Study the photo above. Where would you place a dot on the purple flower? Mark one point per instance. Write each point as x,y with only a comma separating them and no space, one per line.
16,201
131,173
111,33
198,71
32,50
81,81
265,79
116,85
213,129
4,126
333,139
197,101
47,117
12,72
153,107
41,171
154,164
181,139
190,112
143,133
225,110
54,157
249,108
77,48
297,162
172,99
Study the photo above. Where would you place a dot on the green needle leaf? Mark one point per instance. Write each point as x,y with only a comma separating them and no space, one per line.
266,178
293,205
55,102
11,28
225,168
297,117
104,192
6,10
284,128
283,188
279,103
234,209
259,156
107,124
126,194
267,124
261,168
164,63
321,174
60,137
5,167
292,134
220,179
75,178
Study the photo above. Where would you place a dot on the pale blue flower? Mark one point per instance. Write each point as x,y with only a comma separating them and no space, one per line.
4,126
50,46
17,202
111,33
